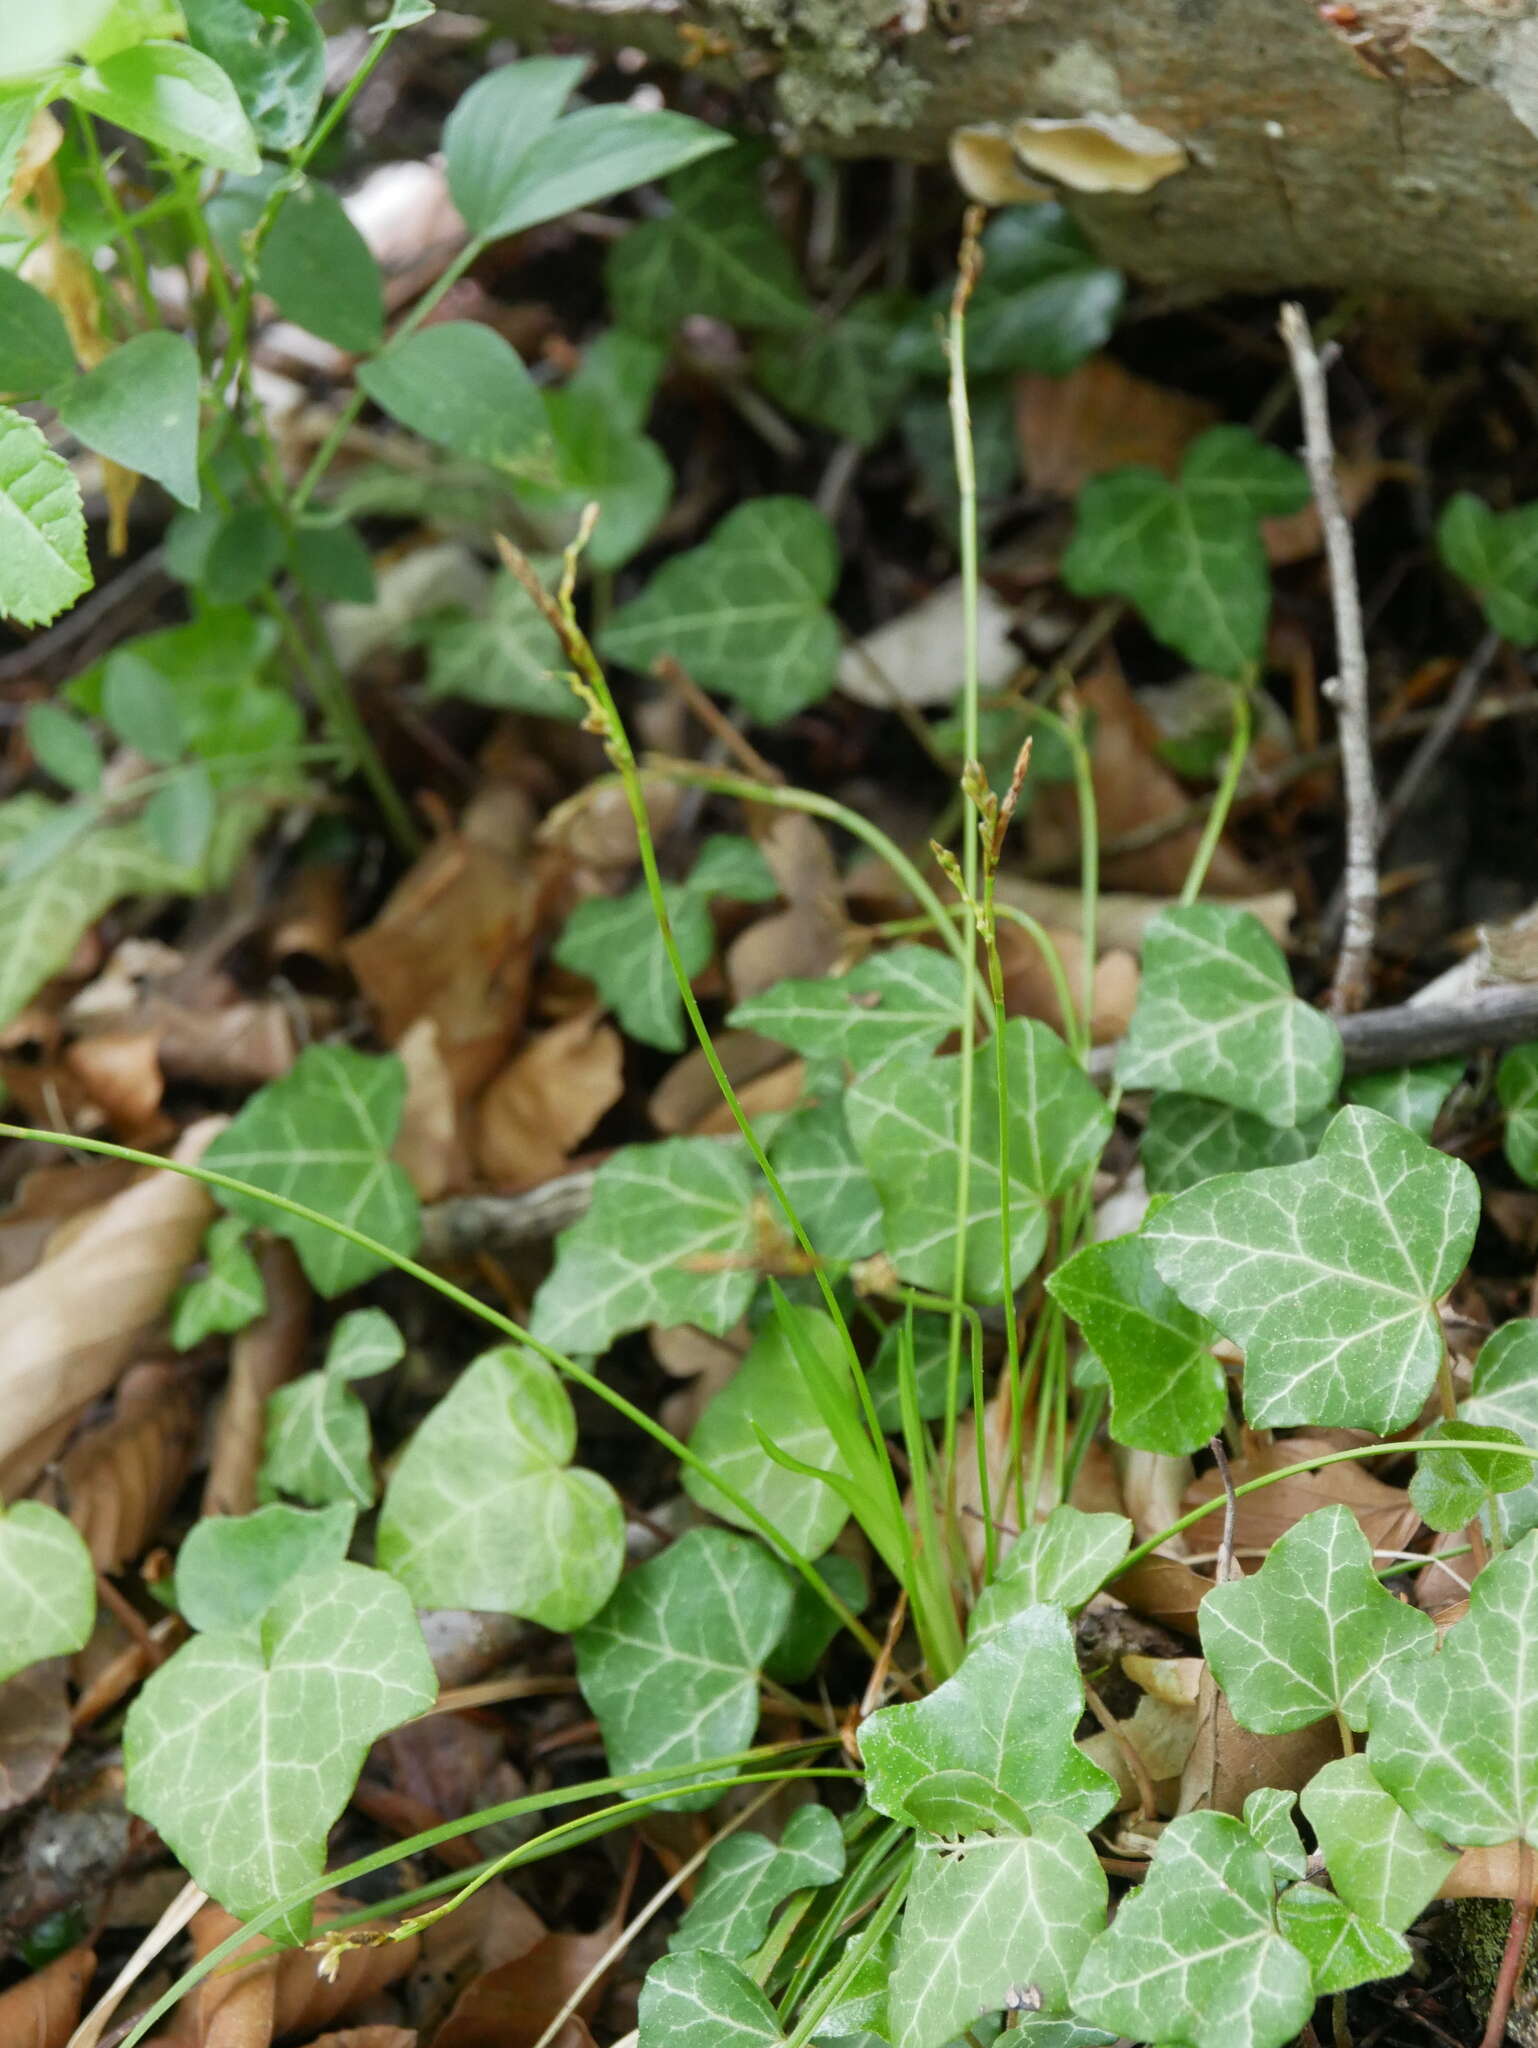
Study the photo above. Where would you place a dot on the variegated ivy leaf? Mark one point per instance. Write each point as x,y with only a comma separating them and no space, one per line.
906,1000
768,1397
1216,1017
244,1748
1381,1864
906,1122
322,1135
989,1920
1187,1140
1194,1954
1455,1736
1341,1949
842,374
1310,1632
1516,1083
1451,1487
1063,1561
319,1445
747,1876
670,1666
1505,1396
225,1298
814,1157
47,1586
1412,1096
668,1238
1328,1273
1268,1816
231,1568
702,2000
1496,554
484,1511
1168,1392
994,1742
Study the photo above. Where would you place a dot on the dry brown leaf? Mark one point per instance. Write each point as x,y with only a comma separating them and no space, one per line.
285,1994
429,1146
1387,1518
233,1045
510,2007
1487,1874
118,1481
594,828
309,921
42,2010
1227,1763
263,1357
368,2037
768,1095
45,1198
1098,417
915,658
113,1662
808,937
34,1730
465,1645
536,1112
688,1092
1165,1590
684,1352
69,1326
1152,1486
1162,1735
120,1073
492,1927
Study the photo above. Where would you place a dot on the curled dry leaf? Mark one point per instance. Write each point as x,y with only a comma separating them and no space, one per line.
1162,1734
1099,417
48,1197
1487,1874
1123,918
1388,1520
368,2037
34,1730
511,2007
688,1091
428,1145
808,936
494,1926
118,1481
594,828
263,1357
1152,1486
1227,1763
70,1325
310,920
120,1073
1165,1590
285,1992
41,2011
536,1112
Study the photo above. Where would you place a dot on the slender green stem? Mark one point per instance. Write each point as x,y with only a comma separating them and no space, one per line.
1222,803
870,1937
122,226
861,1883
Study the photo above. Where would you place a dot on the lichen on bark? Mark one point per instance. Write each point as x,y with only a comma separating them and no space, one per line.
841,67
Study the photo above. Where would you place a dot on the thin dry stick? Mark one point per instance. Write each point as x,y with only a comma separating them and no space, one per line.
161,1935
715,720
1451,713
1148,1803
1348,689
1516,1945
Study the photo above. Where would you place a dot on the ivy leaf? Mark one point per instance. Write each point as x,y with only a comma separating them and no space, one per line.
47,1587
318,1443
1063,1561
1189,554
668,1238
931,1373
987,1917
1268,1816
509,658
1328,1273
768,1397
703,2000
1382,1865
461,385
825,1183
1193,1955
173,96
999,1732
1308,1634
598,459
1412,1096
905,1001
1496,554
245,1747
1341,1949
842,374
1504,1395
1450,1488
1516,1083
670,1667
747,1876
231,1568
905,1121
813,1624
716,253
43,562
322,1135
1216,1017
1168,1392
225,1298
1187,1140
746,612
483,1510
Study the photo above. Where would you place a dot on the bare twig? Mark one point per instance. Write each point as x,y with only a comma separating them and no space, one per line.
1226,1567
715,720
1451,713
1348,689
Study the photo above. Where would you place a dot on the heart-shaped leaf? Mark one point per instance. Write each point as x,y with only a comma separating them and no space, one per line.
508,657
703,2000
825,1183
225,1298
47,1587
1187,1140
244,1748
716,253
462,385
670,1667
1496,554
1064,1561
492,129
906,1000
43,562
905,1119
320,273
747,1876
1310,1632
139,408
1328,1273
1382,1865
319,1446
232,1567
1168,1392
1341,1949
844,374
1451,1487
1216,1017
1516,1083
1412,1096
35,347
482,1510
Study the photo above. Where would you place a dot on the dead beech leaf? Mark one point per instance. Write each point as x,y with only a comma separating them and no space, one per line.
1030,991
535,1113
34,1730
1387,1518
1162,1735
688,1092
1227,1763
310,919
45,1198
1486,1874
368,2037
41,2011
428,1146
120,1072
263,1357
594,828
1123,917
286,1992
68,1326
510,2007
1098,417
117,1481
808,937
1163,1589
915,658
766,1096
494,1926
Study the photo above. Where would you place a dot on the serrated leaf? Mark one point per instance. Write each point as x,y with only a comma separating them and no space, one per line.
668,1238
43,562
1216,1017
1451,1487
1187,1140
746,612
813,1624
906,1000
1000,1730
1310,1632
320,273
1062,1562
1168,1392
508,658
1341,1949
319,1446
747,1876
484,1511
1516,1083
225,1298
173,96
274,55
841,374
231,1568
139,408
322,1134
1412,1096
825,1183
767,1396
461,385
1496,554
905,1121
1382,1865
1194,1955
245,1747
35,348
988,1919
47,1586
1189,554
702,2000
716,253
1327,1274
670,1667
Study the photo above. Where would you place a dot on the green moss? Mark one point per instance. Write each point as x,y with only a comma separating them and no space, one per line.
1473,1934
839,68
